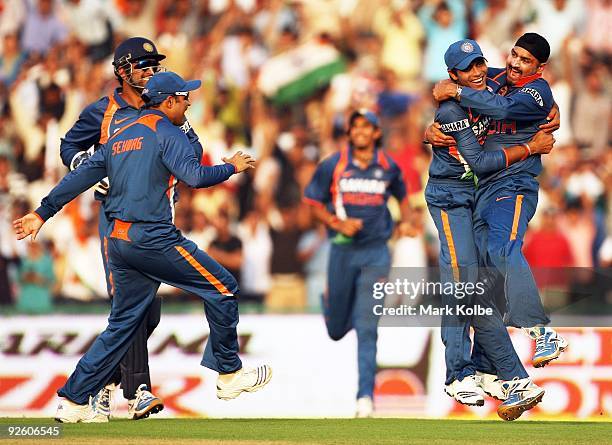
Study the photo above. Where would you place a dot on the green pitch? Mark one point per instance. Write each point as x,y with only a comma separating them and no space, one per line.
320,431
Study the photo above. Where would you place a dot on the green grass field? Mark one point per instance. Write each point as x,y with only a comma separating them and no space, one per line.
321,431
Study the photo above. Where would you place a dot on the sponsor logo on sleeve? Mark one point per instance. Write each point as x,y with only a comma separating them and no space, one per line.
455,126
534,93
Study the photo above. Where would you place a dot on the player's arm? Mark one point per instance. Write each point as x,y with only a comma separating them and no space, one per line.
72,185
529,103
84,134
454,120
194,140
397,187
179,157
318,196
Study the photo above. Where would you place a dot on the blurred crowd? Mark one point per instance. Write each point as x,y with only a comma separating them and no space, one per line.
279,78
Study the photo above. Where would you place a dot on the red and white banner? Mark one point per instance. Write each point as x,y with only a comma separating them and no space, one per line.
313,376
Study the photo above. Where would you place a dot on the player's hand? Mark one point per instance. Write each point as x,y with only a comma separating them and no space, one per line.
554,120
445,89
241,161
28,225
102,187
435,136
349,226
541,143
405,229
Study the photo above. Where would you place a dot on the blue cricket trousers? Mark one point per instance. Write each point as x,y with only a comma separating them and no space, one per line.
451,205
503,210
349,303
141,256
134,368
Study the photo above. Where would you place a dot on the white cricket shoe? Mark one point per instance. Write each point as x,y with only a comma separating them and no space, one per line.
144,404
230,386
491,385
70,412
365,408
466,391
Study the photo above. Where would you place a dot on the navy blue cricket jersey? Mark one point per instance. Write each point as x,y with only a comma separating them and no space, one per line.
470,131
351,192
143,161
516,112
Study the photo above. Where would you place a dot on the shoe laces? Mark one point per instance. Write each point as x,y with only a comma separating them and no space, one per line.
541,342
143,394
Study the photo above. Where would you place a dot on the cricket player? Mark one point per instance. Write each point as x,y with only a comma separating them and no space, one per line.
349,193
450,196
135,61
143,160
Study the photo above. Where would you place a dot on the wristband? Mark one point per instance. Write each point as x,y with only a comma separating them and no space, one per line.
526,145
458,93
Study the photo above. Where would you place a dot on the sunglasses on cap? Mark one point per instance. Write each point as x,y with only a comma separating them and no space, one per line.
185,94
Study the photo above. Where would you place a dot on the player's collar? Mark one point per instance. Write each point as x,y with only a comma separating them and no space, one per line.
154,111
378,158
119,99
527,79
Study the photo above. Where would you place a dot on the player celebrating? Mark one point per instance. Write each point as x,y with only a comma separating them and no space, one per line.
135,61
450,196
144,248
519,100
349,193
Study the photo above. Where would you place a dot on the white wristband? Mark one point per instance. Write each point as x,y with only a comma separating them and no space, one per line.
528,148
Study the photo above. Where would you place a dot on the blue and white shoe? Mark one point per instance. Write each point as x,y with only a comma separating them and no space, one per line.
102,403
549,345
144,404
521,395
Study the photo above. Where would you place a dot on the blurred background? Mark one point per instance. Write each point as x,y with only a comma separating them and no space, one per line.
279,79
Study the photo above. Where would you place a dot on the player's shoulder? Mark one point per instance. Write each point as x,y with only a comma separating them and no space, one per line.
451,116
495,75
385,159
96,108
540,90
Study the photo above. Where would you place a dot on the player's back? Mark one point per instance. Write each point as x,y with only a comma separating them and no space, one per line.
143,186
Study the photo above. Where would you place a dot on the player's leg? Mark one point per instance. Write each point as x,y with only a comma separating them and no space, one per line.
178,262
458,262
510,205
339,297
133,293
136,380
374,262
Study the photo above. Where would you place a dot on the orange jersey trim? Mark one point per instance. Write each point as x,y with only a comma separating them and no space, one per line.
451,244
204,272
121,229
149,120
112,107
517,215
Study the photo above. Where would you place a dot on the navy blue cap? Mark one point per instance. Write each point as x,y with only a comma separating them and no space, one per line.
365,113
165,84
136,48
460,54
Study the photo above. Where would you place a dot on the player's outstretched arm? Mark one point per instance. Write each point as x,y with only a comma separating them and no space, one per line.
180,159
73,184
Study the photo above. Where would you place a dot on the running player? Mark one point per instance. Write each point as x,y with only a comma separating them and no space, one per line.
143,160
349,193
